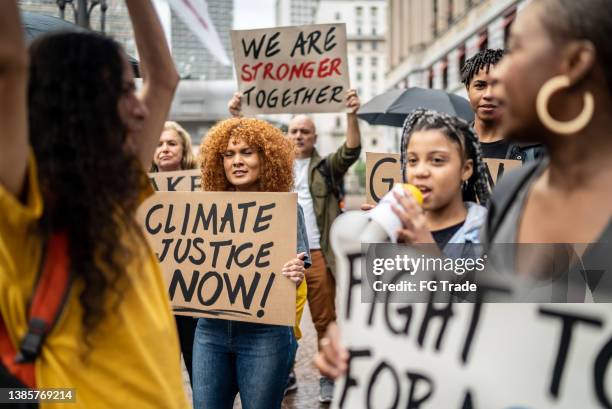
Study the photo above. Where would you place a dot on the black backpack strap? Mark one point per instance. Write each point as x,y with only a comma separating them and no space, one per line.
503,196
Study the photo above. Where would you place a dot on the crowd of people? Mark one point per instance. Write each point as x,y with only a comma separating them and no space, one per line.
73,163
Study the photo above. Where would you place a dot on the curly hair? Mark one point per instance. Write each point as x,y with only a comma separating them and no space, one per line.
483,59
458,131
90,183
188,161
275,150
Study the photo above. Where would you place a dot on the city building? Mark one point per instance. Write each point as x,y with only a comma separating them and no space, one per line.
192,59
206,85
116,23
366,24
430,40
295,12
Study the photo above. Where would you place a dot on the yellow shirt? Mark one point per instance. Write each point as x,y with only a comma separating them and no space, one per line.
134,360
300,301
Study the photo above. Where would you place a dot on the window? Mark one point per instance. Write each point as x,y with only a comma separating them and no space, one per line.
359,76
359,61
374,61
373,76
338,17
359,11
435,18
483,40
374,142
373,11
374,45
508,20
430,78
338,122
359,30
450,12
444,72
359,45
373,31
359,91
461,57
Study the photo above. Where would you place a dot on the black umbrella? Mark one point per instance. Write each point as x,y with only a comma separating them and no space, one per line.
392,107
35,25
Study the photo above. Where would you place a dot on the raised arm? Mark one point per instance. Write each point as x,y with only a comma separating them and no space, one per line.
13,100
353,135
159,76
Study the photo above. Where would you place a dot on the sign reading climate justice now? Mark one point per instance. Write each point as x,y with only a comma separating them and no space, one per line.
297,69
466,355
222,253
383,170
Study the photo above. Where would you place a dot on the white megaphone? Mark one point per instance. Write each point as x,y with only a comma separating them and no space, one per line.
383,222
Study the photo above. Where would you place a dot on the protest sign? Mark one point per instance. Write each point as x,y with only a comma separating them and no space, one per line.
467,355
180,180
222,253
298,69
383,170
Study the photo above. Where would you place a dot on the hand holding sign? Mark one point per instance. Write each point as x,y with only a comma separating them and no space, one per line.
333,357
234,106
294,269
352,102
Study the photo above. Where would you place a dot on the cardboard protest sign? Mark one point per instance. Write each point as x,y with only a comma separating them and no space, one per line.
497,167
300,69
180,180
222,253
383,170
465,355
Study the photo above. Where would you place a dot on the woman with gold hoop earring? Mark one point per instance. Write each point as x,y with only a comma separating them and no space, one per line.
557,88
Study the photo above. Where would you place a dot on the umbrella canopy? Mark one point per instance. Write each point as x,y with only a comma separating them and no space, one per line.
392,107
35,25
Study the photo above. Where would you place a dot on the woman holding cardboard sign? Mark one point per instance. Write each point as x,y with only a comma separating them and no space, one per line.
230,357
174,152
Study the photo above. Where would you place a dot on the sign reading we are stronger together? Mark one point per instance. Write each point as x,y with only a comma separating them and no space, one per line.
292,69
221,253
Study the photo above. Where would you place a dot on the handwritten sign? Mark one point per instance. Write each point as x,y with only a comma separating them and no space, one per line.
383,170
180,180
222,253
465,356
298,69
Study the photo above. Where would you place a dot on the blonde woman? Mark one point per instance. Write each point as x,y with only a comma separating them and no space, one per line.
174,151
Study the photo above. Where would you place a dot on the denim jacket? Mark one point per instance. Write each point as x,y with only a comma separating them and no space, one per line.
468,234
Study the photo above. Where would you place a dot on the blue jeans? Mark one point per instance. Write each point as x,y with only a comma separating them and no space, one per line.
231,357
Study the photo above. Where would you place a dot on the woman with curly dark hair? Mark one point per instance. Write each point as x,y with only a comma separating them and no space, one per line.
91,136
556,84
247,155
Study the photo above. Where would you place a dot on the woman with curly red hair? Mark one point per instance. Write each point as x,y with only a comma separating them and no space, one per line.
247,155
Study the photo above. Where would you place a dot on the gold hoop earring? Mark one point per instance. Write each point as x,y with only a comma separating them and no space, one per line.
562,127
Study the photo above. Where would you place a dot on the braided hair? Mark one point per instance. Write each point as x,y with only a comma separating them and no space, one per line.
483,59
458,131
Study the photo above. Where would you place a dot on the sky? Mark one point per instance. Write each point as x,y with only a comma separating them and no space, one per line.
254,14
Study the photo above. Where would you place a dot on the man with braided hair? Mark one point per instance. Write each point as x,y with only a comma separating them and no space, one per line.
488,110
